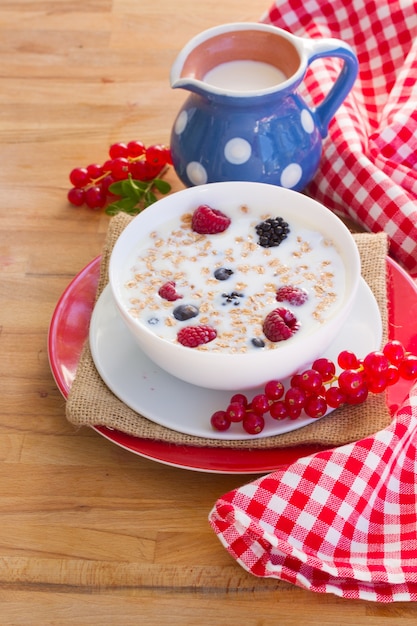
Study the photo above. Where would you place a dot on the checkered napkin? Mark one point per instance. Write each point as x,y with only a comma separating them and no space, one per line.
368,171
342,521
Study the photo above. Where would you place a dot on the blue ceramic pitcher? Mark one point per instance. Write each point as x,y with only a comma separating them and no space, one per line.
244,119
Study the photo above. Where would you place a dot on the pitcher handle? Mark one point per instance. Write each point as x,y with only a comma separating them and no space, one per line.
330,47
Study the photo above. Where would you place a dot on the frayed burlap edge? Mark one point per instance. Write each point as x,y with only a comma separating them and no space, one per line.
91,403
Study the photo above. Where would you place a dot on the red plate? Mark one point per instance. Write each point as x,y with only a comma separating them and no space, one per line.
69,330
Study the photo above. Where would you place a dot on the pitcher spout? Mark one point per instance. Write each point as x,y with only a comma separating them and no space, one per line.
186,72
187,83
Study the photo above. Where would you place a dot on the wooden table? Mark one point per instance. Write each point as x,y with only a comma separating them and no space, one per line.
90,533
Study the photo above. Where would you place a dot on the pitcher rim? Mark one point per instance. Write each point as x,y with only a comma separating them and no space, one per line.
177,81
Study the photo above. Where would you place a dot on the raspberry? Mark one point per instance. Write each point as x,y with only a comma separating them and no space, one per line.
280,324
193,336
291,294
168,292
208,221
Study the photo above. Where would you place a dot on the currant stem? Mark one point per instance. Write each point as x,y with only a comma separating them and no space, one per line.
95,181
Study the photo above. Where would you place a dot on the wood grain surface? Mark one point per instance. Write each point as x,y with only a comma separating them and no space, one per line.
91,534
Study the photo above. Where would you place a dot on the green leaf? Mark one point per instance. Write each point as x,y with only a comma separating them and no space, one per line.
126,205
112,209
130,190
135,195
150,198
117,188
140,184
162,185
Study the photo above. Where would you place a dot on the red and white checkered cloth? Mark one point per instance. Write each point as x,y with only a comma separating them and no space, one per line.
343,521
369,165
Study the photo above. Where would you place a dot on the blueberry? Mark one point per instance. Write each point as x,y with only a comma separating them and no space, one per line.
232,297
152,321
258,342
223,273
185,312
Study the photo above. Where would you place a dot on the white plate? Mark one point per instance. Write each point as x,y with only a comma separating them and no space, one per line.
170,402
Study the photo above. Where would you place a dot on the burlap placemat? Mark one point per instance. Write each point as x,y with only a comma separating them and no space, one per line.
91,403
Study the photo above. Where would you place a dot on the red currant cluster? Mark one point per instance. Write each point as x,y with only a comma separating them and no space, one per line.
316,390
92,184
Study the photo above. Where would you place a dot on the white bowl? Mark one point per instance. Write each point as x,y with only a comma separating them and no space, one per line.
220,368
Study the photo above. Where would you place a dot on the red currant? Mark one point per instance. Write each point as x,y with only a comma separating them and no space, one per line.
350,381
117,150
79,177
120,168
274,390
295,380
253,423
408,367
107,165
138,169
375,363
358,396
240,398
315,406
259,404
295,398
95,198
347,360
168,156
235,412
294,412
151,171
135,149
377,384
106,182
335,397
95,171
393,375
310,381
394,351
156,155
278,410
142,170
220,421
76,196
325,367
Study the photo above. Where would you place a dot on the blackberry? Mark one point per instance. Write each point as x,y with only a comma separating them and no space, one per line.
223,273
185,312
272,232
